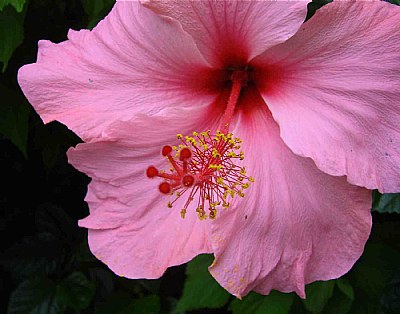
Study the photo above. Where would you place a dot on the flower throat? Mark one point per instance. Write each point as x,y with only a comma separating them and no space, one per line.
203,165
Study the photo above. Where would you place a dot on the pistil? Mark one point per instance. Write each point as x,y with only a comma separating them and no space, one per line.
238,79
203,166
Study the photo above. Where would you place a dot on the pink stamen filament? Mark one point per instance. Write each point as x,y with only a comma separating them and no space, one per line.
238,79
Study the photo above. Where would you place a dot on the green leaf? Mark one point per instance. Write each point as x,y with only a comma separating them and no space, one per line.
390,301
14,116
371,275
54,220
387,232
274,303
386,203
376,268
11,33
34,255
35,296
52,141
397,2
17,4
344,286
96,10
342,298
77,290
146,305
200,289
314,6
117,303
122,303
317,295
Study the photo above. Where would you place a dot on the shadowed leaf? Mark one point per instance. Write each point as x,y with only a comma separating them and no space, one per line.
78,291
386,203
96,10
318,293
274,303
17,4
200,289
11,33
34,296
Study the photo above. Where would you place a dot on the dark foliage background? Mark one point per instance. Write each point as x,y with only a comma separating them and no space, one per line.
45,263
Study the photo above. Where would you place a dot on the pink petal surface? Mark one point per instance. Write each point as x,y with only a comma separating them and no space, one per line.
131,229
336,92
232,32
134,61
295,224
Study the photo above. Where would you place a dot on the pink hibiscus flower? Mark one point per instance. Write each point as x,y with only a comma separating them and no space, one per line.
315,105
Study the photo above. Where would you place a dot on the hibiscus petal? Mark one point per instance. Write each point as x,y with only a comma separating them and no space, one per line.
232,32
295,224
337,98
133,61
131,229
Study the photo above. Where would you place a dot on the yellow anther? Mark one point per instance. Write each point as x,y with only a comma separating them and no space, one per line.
215,167
245,186
191,140
213,214
220,180
226,205
206,133
243,171
183,213
240,193
179,136
214,204
251,179
232,154
215,153
169,205
202,215
195,134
